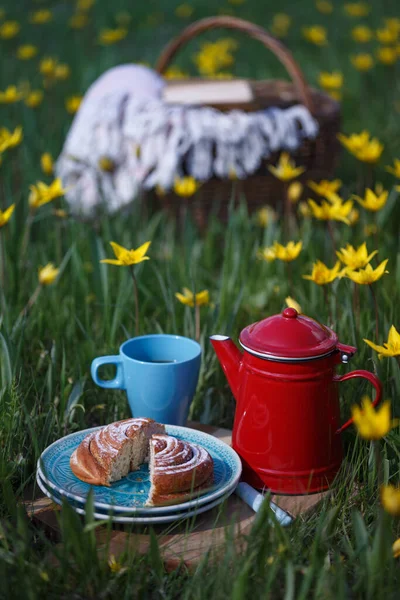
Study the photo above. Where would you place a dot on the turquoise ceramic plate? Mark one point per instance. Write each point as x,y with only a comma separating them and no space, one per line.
129,494
129,518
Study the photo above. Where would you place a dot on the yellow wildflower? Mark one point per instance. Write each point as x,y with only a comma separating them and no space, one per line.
315,34
331,211
294,191
368,275
62,71
190,299
73,103
125,257
355,258
115,566
174,72
10,139
280,25
78,21
10,95
48,274
362,147
9,29
357,9
214,56
112,36
47,164
26,52
185,186
291,303
279,252
304,210
184,11
373,201
265,215
47,66
84,5
362,34
362,61
5,216
386,55
324,7
372,424
330,81
60,213
395,170
390,498
39,17
389,348
396,548
386,35
34,98
286,169
321,274
354,216
325,188
42,194
393,23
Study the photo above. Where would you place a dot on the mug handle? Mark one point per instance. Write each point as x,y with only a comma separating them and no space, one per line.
118,382
365,375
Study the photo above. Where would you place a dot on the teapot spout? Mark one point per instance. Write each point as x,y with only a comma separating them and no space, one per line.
230,358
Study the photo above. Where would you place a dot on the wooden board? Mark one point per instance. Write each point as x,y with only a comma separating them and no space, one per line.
182,543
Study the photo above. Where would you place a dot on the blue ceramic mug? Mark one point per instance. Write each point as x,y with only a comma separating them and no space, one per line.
159,374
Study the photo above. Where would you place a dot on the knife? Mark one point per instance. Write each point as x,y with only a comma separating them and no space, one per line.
254,499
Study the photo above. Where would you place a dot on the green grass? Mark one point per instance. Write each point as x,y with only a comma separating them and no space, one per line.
341,551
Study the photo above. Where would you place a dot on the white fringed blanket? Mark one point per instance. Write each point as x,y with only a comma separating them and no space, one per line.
147,143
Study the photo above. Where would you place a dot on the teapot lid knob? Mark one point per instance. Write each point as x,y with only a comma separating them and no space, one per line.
290,313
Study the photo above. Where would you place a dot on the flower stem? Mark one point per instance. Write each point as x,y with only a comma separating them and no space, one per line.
2,271
376,311
25,239
378,462
28,306
327,302
287,216
332,236
136,292
197,321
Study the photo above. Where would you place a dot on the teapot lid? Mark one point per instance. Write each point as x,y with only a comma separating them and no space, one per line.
288,336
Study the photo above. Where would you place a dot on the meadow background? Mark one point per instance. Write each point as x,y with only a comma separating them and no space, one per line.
345,550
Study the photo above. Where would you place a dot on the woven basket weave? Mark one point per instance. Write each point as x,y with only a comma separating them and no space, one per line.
318,156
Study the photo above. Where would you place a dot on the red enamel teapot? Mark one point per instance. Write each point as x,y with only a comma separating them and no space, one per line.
287,420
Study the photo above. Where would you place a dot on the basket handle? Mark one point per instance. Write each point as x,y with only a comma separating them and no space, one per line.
254,31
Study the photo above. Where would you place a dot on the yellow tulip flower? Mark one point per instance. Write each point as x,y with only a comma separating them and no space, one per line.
78,21
48,274
112,36
362,34
315,34
324,7
373,201
355,258
395,170
190,299
362,147
47,66
39,17
125,257
281,23
372,424
265,215
185,186
286,169
396,548
386,35
34,98
174,72
387,55
10,139
47,163
9,29
73,103
291,303
84,5
26,52
362,61
321,274
62,71
354,216
325,187
42,194
10,95
393,23
5,216
356,9
330,81
278,252
389,348
390,498
335,210
367,275
294,191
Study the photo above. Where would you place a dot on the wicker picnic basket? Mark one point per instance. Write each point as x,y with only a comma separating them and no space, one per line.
318,156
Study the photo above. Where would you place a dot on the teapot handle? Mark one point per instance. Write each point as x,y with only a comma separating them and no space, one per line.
366,375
